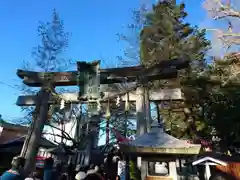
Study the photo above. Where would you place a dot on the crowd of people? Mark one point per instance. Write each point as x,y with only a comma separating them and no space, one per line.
59,171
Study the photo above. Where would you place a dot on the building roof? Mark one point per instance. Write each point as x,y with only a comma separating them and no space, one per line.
20,141
159,142
209,160
8,125
214,158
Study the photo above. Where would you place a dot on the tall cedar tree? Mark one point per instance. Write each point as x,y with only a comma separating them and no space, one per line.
167,36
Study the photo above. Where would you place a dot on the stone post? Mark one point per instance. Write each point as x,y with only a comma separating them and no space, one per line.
148,117
142,111
92,138
95,123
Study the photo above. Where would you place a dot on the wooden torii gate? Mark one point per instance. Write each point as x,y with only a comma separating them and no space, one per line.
48,81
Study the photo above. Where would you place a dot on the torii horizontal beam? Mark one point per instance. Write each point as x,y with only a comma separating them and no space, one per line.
163,70
36,79
160,95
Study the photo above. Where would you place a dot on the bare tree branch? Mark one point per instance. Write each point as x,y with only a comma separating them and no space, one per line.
64,133
218,10
45,133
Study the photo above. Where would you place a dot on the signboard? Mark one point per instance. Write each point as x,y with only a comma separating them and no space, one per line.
91,88
92,82
92,107
64,76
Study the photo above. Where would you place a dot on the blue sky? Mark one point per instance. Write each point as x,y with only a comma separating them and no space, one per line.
93,25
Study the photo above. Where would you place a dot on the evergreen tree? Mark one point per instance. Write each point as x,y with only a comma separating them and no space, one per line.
223,103
166,36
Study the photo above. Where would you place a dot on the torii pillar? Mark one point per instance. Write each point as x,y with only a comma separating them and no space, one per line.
92,138
31,144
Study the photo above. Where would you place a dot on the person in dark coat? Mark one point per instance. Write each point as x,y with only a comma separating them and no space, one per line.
93,176
48,169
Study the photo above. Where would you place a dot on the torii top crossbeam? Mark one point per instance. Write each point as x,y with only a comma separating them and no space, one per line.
163,70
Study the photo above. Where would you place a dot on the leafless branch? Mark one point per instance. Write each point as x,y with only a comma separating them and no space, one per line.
218,10
66,135
45,133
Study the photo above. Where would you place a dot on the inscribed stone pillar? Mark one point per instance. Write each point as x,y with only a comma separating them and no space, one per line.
92,141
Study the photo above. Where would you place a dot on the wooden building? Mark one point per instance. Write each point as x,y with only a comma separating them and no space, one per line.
12,138
10,131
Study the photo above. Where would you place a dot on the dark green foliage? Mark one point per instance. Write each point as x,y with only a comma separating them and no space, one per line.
223,102
223,114
211,91
167,36
135,173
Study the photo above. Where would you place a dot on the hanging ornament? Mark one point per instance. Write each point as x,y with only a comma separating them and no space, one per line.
62,104
108,113
127,107
118,101
99,107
